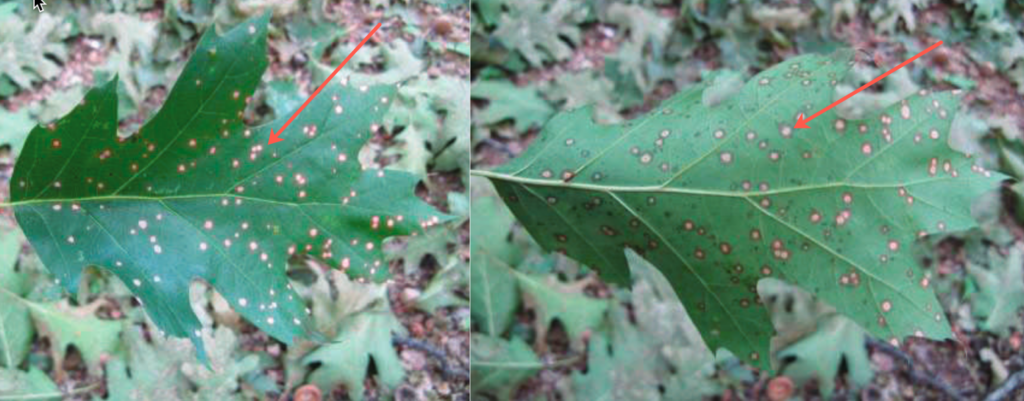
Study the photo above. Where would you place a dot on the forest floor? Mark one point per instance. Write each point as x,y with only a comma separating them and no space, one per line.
435,351
972,365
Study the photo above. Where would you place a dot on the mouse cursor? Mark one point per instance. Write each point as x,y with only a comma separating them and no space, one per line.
38,5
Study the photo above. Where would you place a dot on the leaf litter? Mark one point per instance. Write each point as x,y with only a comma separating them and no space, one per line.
268,377
703,39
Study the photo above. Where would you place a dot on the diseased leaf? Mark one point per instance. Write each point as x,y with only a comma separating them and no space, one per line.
434,242
438,242
195,194
718,198
283,97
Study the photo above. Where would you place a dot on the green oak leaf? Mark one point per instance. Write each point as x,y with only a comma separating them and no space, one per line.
587,87
1000,300
441,290
15,331
719,197
510,102
65,325
197,195
554,300
813,341
539,30
435,114
494,295
30,49
621,364
31,385
148,371
16,128
361,337
837,343
645,25
668,334
222,378
15,326
888,13
500,365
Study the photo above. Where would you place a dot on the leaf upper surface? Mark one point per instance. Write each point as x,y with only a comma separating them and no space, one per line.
196,194
720,197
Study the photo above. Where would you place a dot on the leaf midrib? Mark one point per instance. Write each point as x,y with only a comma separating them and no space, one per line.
696,191
114,198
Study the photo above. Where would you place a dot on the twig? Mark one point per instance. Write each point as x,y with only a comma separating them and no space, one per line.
1011,385
500,146
916,376
448,371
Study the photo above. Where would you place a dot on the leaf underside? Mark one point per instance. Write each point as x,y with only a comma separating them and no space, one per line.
197,195
720,197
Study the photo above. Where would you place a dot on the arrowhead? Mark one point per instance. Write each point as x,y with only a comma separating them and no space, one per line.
800,122
274,137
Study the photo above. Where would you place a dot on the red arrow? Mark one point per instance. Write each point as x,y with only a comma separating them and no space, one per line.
801,122
274,137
